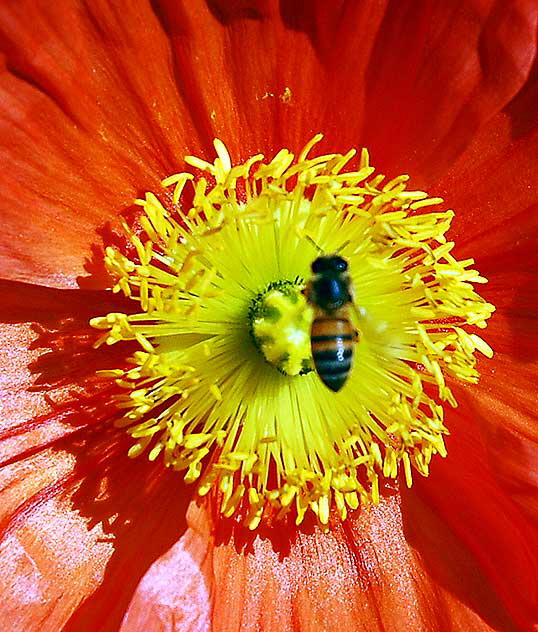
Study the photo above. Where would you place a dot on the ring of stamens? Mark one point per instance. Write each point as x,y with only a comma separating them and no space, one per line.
201,396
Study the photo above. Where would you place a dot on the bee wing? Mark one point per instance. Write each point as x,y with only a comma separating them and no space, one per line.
356,318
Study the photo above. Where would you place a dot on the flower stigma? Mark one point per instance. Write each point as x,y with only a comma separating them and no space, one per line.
221,387
280,321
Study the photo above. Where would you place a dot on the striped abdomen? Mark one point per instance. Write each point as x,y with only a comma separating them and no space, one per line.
332,338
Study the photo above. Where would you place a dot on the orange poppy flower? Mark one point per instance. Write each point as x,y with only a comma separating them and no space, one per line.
100,102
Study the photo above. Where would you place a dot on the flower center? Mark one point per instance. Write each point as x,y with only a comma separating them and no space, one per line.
218,270
279,323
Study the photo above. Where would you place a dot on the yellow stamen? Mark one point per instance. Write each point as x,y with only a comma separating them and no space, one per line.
219,286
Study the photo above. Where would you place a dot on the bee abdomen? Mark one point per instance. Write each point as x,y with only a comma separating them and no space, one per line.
332,351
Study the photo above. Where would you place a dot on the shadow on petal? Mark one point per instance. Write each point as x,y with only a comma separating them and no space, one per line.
139,506
522,109
227,11
450,564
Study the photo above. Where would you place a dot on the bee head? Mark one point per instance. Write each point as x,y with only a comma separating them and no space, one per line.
330,263
330,285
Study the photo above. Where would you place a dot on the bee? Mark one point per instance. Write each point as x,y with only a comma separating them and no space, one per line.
332,335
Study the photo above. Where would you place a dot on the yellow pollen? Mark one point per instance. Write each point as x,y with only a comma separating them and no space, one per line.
219,285
280,322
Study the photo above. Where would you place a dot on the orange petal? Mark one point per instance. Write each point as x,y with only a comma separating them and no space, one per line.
505,409
81,524
493,193
142,508
173,594
504,403
464,492
492,187
91,118
522,109
49,557
364,575
437,72
491,473
253,80
47,363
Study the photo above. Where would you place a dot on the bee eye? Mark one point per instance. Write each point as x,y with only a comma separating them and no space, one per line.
319,265
338,264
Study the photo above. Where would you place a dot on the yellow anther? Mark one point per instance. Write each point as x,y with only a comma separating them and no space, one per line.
407,469
223,154
482,346
196,440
